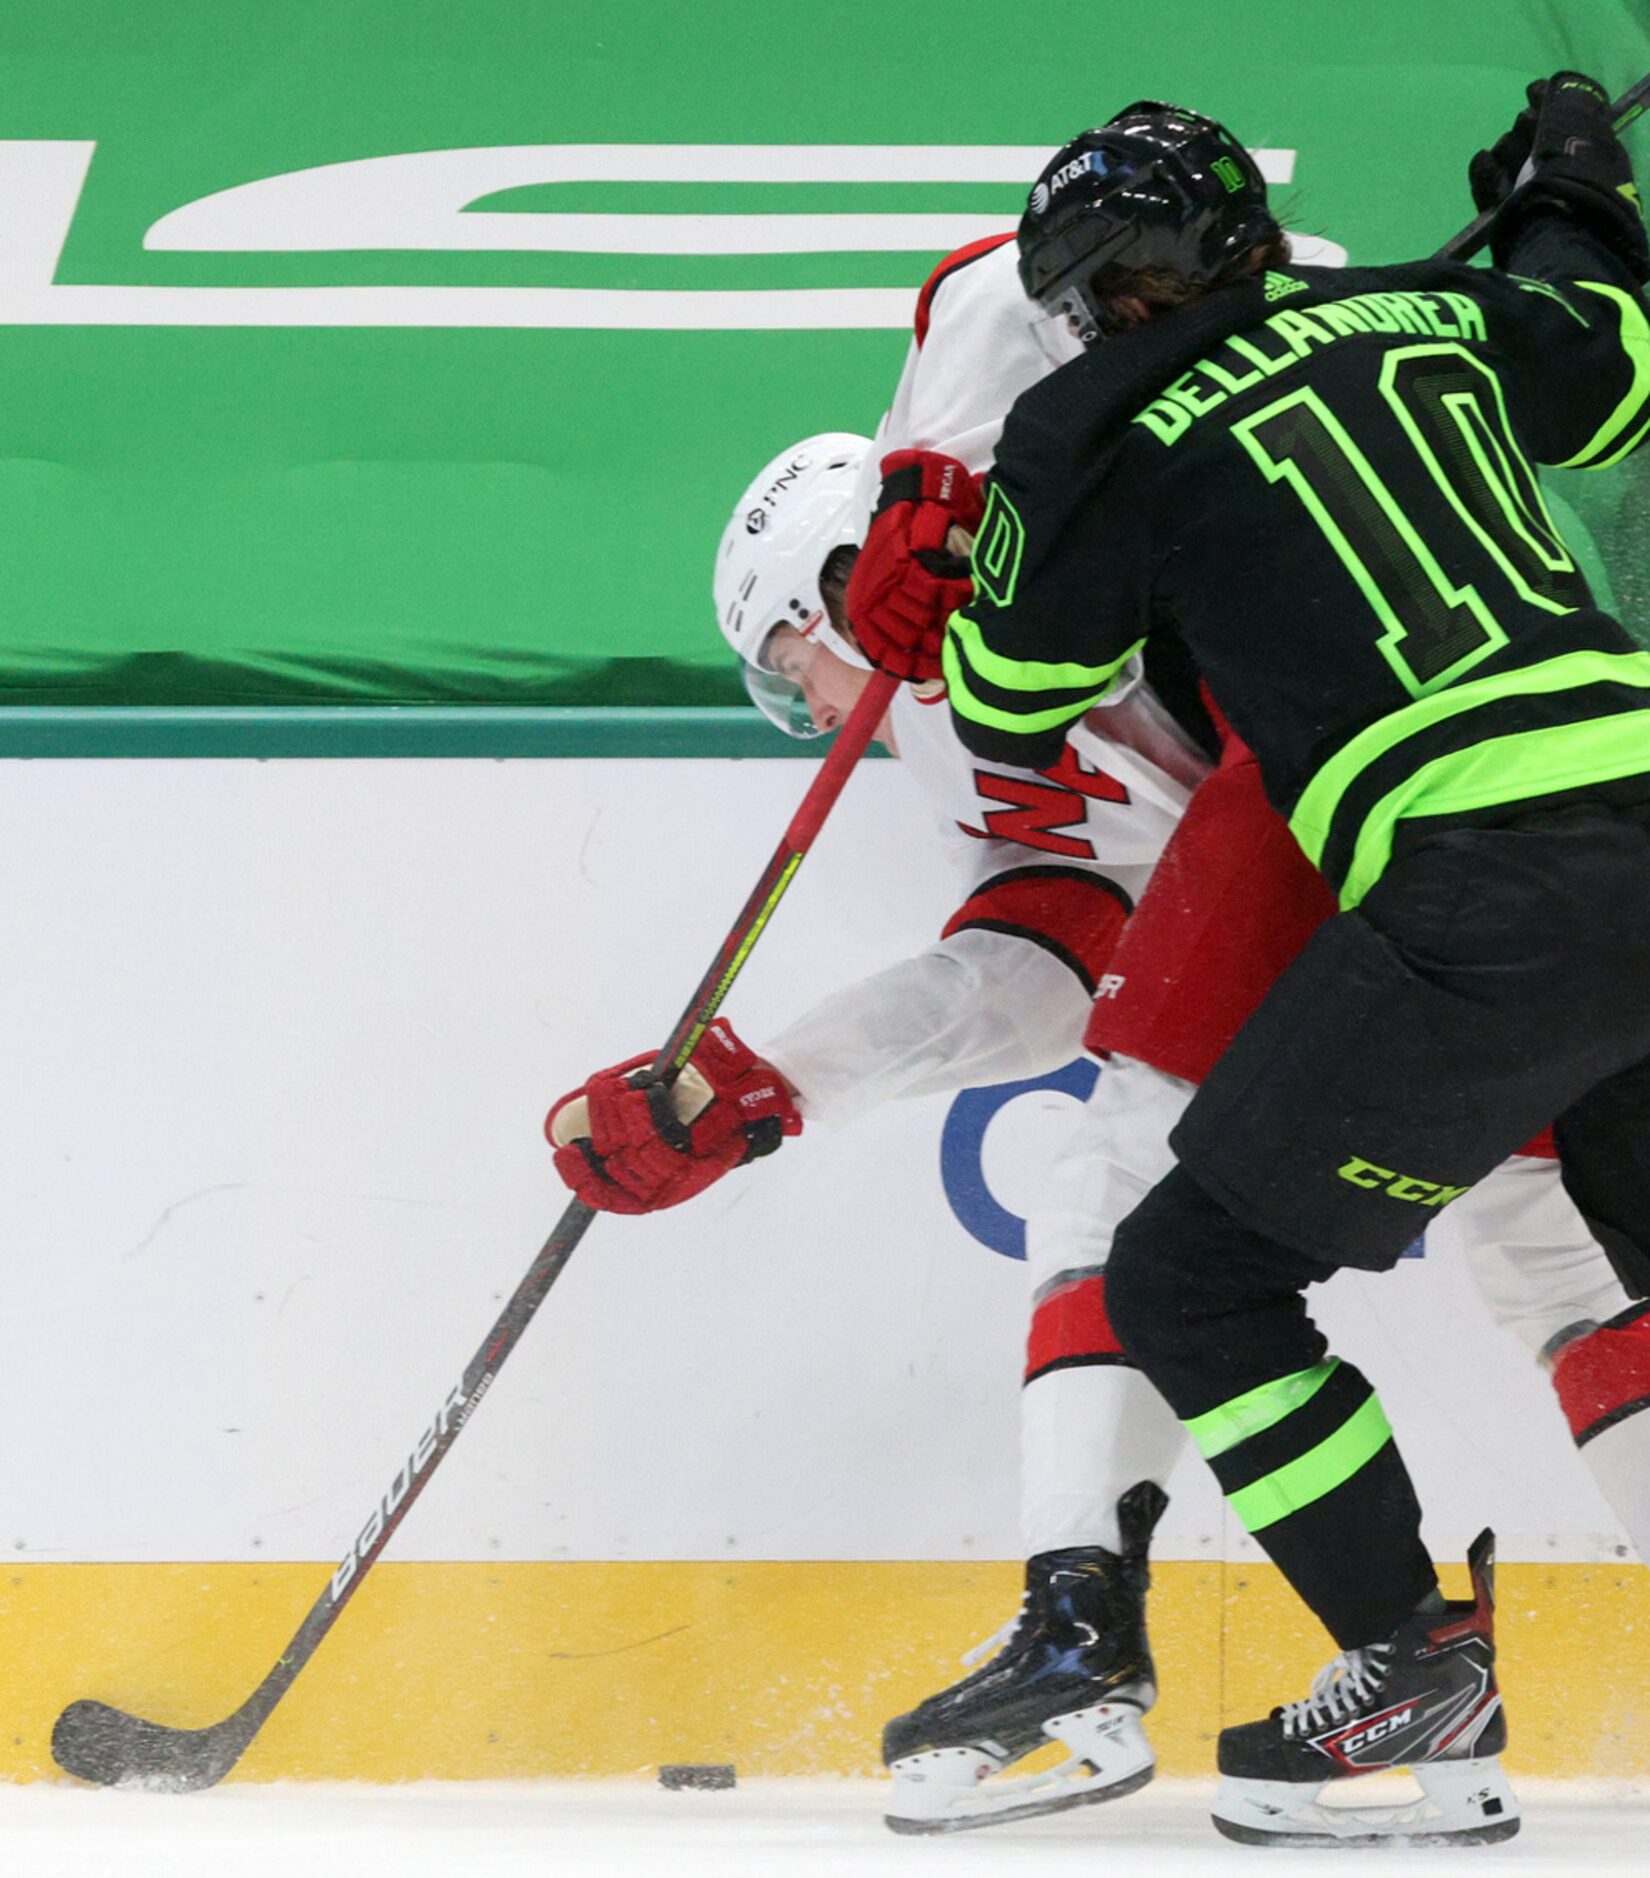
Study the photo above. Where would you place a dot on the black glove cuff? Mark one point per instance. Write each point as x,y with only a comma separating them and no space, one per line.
1604,213
904,485
762,1137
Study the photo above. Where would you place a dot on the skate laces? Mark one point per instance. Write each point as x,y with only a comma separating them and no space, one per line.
999,1639
1339,1689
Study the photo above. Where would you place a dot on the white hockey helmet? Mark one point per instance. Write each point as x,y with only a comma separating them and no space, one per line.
783,528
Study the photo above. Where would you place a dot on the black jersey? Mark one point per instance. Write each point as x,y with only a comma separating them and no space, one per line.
1321,482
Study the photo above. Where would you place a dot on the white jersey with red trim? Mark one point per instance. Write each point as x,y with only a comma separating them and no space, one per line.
1109,804
1051,862
1051,865
976,349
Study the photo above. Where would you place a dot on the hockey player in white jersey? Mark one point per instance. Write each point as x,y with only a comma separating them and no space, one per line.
1051,864
996,999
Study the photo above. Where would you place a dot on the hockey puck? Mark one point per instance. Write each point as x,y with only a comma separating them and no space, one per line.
714,1777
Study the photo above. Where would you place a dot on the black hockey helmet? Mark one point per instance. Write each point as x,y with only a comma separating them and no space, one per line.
1156,187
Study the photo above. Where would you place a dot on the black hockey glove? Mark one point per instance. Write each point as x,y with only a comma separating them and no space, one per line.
1493,173
1562,153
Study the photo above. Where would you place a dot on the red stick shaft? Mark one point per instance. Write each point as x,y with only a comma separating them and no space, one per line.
849,747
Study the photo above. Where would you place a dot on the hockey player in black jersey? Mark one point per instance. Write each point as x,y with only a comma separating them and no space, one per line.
1321,486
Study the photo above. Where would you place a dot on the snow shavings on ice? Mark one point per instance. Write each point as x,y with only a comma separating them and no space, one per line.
762,1829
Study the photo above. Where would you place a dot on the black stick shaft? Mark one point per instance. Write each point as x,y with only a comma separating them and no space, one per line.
1630,106
236,1731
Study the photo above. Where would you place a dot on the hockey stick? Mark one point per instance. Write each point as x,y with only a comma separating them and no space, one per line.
113,1748
1630,106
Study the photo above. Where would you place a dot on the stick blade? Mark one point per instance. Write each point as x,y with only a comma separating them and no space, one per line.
113,1749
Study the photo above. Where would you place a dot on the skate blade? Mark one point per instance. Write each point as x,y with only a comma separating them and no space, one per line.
951,1789
1462,1803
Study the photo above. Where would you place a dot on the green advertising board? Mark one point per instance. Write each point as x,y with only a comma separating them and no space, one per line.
409,354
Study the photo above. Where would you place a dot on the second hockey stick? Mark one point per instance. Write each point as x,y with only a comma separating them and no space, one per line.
1627,109
112,1747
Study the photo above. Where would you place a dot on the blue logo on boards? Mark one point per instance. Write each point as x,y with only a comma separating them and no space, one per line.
962,1165
962,1171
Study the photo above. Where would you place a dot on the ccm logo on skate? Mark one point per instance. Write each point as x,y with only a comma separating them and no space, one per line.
1397,1186
1378,1730
453,1413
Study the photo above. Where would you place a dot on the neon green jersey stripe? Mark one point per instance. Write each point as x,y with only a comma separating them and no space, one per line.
1500,769
1626,450
1259,1409
1319,1471
1315,811
977,711
1028,674
1635,341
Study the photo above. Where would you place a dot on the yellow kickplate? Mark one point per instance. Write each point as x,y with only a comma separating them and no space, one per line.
477,1671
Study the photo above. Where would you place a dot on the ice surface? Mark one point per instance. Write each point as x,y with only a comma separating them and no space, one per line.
775,1828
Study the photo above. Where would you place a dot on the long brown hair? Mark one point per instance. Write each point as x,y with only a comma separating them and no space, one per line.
1162,290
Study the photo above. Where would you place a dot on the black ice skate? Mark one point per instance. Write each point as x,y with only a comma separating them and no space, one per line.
1425,1699
1074,1668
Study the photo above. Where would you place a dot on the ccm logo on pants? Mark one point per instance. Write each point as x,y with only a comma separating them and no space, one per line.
1362,1173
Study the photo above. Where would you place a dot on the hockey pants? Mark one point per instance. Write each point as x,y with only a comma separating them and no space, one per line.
1091,1425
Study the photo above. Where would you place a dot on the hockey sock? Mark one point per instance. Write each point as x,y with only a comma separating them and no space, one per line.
1603,1385
1214,1315
1069,1326
1091,1426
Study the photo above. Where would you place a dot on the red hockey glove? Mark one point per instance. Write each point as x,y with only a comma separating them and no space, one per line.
628,1144
907,582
